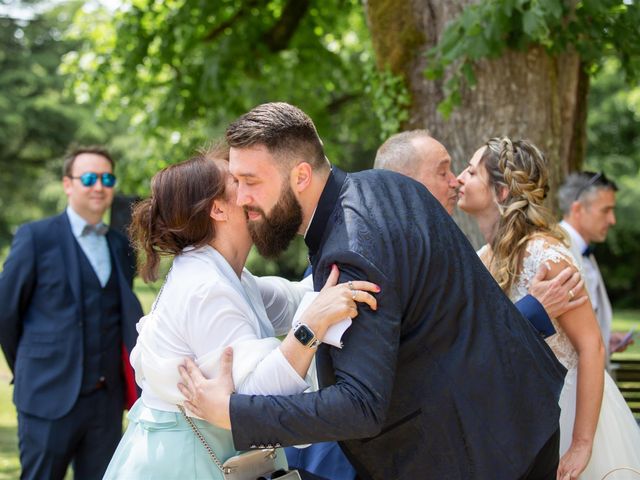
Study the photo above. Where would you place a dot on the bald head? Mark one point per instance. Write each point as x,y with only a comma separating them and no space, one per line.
418,155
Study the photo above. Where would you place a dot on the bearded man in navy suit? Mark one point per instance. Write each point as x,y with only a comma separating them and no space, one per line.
67,325
444,380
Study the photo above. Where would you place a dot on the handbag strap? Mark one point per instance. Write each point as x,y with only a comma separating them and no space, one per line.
198,433
155,302
193,426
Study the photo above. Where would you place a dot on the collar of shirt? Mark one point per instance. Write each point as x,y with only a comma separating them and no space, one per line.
78,223
326,205
310,222
313,214
576,238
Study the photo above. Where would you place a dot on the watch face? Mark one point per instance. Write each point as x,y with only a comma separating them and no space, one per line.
304,334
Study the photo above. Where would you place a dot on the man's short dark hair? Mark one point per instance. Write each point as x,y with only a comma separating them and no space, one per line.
70,157
286,131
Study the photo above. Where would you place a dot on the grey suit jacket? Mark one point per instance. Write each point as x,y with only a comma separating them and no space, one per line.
604,313
446,380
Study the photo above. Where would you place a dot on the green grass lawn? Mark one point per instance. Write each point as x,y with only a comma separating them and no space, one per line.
9,464
625,320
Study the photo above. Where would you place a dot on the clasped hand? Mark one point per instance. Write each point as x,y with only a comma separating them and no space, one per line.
209,398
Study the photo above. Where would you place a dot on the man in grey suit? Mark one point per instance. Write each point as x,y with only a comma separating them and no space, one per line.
445,380
588,201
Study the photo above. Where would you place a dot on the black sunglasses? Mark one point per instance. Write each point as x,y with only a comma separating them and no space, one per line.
89,179
595,176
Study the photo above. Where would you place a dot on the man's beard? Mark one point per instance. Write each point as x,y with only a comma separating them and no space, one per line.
274,232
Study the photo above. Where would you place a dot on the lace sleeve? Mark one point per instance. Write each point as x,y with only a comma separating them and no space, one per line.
539,250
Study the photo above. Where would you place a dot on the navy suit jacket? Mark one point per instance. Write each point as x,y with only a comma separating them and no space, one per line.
41,319
445,380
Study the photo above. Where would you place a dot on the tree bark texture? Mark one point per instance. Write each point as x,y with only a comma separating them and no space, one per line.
528,95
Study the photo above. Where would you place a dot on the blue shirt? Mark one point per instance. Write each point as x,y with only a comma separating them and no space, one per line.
93,245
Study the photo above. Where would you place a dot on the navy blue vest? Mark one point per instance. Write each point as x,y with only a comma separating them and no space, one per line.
102,336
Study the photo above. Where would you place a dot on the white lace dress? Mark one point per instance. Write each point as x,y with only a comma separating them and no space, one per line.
617,440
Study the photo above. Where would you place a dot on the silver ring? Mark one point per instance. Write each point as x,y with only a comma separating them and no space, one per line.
353,294
350,283
571,295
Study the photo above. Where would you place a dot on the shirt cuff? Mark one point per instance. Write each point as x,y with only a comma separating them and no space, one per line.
537,316
276,377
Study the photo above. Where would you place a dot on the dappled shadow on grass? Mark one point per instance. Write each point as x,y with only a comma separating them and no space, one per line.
9,462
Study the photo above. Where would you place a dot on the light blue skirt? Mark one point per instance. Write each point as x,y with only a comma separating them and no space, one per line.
161,445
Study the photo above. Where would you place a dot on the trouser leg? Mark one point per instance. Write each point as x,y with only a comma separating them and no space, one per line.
101,413
43,453
545,465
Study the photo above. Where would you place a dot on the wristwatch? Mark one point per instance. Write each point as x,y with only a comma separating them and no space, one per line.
306,336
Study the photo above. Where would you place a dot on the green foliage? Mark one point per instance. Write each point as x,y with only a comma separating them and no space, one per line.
486,29
177,72
614,147
37,122
391,100
9,461
183,69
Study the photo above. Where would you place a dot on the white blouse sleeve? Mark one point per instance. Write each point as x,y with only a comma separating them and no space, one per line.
220,316
281,298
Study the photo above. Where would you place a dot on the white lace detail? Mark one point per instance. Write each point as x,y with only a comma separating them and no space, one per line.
538,252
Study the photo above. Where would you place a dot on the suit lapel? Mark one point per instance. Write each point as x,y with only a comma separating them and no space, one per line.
604,305
127,297
69,255
115,253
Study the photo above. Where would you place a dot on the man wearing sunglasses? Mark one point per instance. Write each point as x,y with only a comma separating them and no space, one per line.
587,201
67,324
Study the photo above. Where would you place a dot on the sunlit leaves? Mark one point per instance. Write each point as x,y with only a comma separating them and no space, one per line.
391,100
186,62
37,121
614,147
484,30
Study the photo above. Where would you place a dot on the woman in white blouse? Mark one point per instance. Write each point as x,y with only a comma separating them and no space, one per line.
210,301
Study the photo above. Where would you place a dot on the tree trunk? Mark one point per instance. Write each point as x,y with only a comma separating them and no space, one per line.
527,95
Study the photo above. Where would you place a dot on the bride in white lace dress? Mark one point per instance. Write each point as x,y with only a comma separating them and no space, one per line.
503,188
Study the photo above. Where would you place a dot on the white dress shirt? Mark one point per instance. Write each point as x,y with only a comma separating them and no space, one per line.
204,307
94,246
593,281
590,272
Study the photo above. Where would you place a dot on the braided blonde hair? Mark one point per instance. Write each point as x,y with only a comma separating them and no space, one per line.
520,169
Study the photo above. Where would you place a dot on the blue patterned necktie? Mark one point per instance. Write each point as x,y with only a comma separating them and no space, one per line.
93,241
100,229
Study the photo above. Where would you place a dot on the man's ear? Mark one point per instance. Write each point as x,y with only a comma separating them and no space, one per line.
67,184
301,176
576,209
219,211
